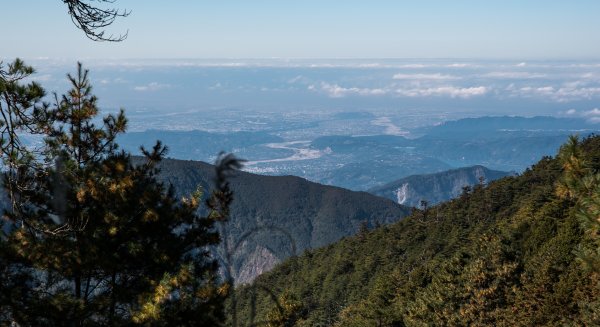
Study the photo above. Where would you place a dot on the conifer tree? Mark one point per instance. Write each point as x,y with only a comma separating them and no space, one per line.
286,313
581,184
107,243
21,111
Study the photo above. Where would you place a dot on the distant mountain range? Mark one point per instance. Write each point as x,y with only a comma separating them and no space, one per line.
368,161
501,143
494,126
275,217
437,187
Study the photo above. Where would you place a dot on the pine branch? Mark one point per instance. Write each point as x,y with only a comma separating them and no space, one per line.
93,20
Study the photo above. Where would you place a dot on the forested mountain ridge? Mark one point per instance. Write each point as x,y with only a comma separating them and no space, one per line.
281,216
519,252
437,187
273,212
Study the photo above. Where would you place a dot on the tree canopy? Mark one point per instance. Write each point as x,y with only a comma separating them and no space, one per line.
521,251
97,239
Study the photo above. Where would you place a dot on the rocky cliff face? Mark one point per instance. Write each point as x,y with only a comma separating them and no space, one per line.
275,217
260,260
402,193
435,188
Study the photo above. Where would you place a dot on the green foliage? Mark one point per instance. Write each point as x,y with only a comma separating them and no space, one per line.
518,252
285,313
21,111
101,241
276,217
581,184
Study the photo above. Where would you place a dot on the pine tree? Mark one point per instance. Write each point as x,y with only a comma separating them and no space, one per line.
106,243
376,309
581,183
286,313
21,111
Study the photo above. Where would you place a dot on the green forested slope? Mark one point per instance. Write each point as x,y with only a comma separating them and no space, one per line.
270,212
513,253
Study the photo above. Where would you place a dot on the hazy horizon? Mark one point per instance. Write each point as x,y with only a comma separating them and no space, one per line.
434,87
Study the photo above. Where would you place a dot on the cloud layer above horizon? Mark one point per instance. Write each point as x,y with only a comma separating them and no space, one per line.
567,88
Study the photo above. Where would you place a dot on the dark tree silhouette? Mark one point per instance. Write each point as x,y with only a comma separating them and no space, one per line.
104,242
92,20
22,111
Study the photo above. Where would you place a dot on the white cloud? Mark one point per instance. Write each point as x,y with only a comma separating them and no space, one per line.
41,78
336,91
545,90
296,79
566,93
216,86
431,77
592,116
521,64
154,86
370,65
588,75
573,84
591,113
588,65
451,91
462,65
107,81
413,66
514,75
571,112
458,65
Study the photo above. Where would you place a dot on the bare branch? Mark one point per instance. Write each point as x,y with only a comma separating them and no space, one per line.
93,20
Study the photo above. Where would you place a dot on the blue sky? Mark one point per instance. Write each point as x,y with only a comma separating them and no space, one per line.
313,29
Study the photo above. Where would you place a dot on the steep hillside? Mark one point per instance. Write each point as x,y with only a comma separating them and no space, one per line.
522,251
275,217
435,188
